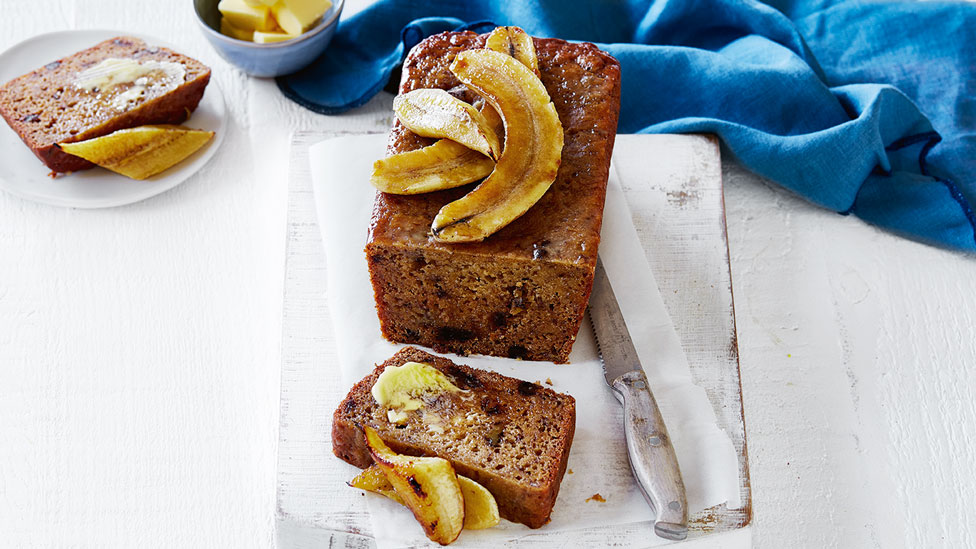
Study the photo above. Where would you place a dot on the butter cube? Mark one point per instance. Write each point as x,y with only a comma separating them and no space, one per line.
258,3
228,29
297,16
269,37
246,17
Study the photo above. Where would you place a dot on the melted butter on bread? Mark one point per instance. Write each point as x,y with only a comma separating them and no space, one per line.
401,388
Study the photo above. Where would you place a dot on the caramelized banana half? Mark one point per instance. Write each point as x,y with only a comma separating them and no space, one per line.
443,165
373,479
480,507
515,42
494,119
436,113
140,152
428,486
532,152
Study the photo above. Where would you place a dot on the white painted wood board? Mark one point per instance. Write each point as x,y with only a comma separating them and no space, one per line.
675,194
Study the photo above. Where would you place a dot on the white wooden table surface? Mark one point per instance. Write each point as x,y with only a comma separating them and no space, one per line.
140,363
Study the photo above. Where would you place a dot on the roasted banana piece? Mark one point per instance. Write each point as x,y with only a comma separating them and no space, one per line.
436,113
532,152
515,42
443,165
140,152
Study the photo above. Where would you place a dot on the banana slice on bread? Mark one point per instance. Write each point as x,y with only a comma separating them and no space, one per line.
436,113
533,147
515,42
140,152
517,172
443,165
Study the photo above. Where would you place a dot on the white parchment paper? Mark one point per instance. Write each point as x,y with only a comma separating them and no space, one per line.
598,459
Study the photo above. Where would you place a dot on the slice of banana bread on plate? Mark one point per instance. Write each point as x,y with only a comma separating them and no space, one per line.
119,83
511,436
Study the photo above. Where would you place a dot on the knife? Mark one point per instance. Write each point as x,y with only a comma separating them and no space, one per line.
652,458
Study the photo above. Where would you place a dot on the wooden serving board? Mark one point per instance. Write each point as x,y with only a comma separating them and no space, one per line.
673,186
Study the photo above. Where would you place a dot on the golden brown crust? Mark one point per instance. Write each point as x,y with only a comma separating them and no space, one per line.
513,437
523,291
44,108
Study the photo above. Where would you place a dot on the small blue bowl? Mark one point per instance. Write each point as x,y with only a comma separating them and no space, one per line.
272,59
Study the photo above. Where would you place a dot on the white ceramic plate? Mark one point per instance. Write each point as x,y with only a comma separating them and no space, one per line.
22,174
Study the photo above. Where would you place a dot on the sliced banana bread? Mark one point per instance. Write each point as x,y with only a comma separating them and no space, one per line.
119,83
511,436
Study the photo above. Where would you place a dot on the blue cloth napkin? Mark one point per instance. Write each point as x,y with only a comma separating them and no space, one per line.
861,107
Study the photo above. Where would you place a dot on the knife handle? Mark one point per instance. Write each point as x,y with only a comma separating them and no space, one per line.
652,457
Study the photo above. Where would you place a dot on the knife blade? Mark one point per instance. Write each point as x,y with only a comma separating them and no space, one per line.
652,458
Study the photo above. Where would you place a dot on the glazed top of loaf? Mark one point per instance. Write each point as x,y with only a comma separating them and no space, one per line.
584,84
59,101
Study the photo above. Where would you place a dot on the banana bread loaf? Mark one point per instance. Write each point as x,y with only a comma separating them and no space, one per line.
522,292
119,83
511,436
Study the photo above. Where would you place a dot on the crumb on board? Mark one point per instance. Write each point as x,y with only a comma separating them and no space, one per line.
596,497
570,471
549,381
